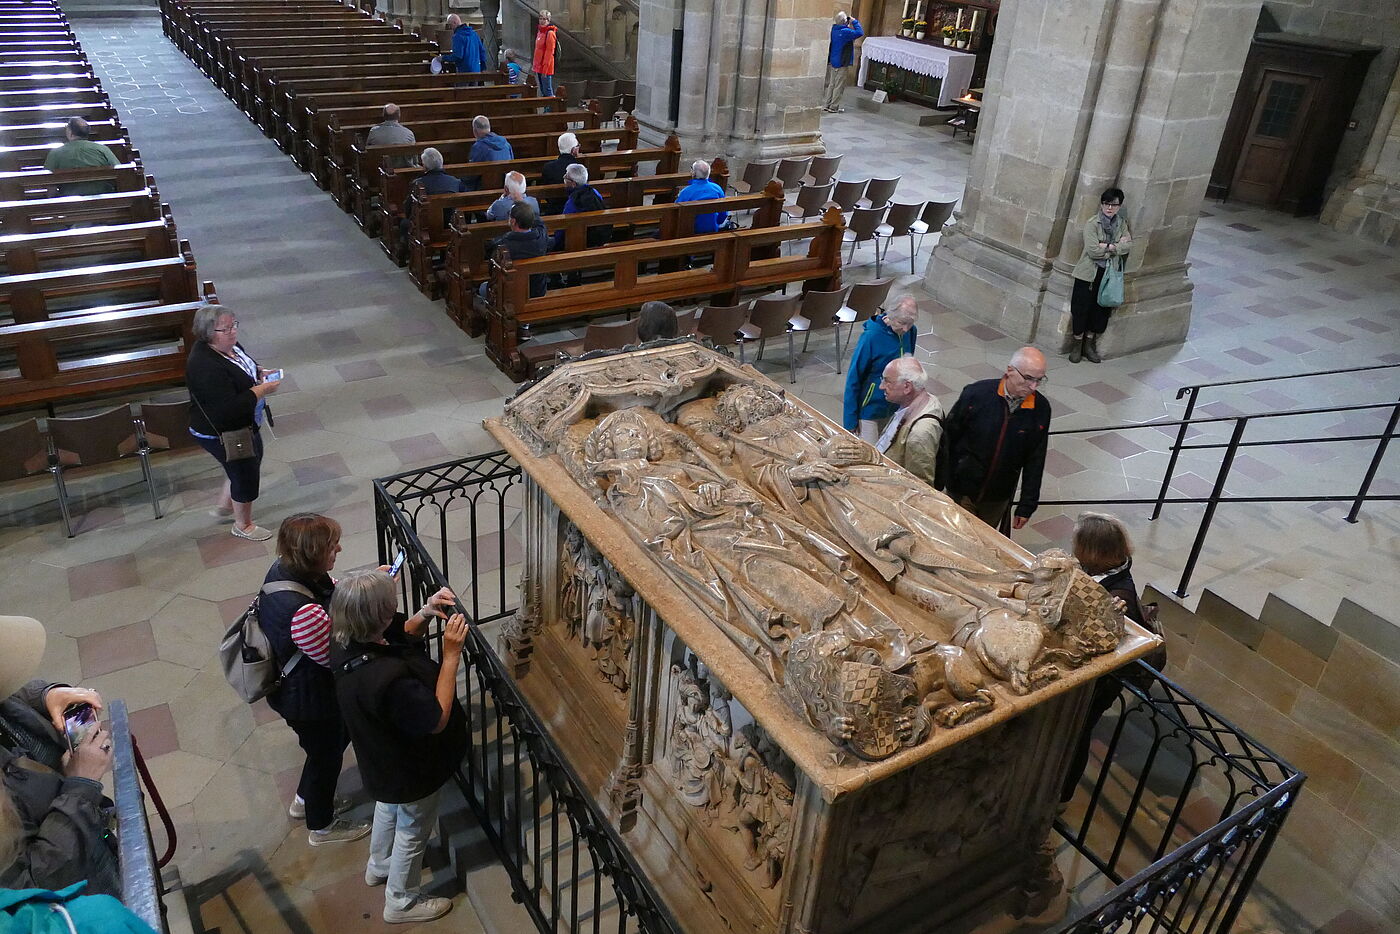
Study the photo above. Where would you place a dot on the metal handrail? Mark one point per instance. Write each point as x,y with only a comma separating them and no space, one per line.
1231,448
141,886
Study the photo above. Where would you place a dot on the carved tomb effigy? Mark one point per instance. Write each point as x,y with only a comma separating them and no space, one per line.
813,694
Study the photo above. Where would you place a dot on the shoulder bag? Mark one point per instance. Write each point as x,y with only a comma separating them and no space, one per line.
238,443
1111,286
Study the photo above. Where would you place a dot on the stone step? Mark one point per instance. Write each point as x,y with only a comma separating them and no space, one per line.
177,909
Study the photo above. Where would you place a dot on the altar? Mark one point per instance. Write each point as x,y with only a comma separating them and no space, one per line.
952,67
814,695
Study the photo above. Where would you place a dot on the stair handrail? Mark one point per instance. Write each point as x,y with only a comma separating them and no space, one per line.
601,62
1194,392
140,874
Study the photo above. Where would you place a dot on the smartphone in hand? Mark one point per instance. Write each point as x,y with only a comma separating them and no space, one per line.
79,721
273,377
398,563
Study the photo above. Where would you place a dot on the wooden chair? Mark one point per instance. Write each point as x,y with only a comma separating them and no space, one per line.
87,441
686,322
865,301
609,106
897,223
772,315
936,214
819,312
863,224
811,202
847,193
879,193
24,451
721,324
790,172
756,175
822,171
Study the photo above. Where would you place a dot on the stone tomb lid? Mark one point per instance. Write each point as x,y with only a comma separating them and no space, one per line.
662,378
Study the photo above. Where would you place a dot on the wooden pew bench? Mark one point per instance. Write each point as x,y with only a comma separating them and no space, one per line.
70,293
41,183
467,264
30,114
243,70
222,55
44,214
50,133
287,84
30,97
742,261
258,86
87,246
21,158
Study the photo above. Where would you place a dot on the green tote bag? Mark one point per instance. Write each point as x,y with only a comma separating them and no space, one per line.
1111,286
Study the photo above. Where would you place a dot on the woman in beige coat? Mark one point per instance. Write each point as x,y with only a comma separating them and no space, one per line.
1106,238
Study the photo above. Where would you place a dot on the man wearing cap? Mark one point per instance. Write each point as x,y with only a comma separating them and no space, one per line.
56,793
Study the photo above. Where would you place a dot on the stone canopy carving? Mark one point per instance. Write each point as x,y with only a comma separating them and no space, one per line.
881,610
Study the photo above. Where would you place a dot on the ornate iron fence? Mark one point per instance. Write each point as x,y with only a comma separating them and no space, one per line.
1175,813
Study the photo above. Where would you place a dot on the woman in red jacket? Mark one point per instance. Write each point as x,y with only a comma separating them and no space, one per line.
544,54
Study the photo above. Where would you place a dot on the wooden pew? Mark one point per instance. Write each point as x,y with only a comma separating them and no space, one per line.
32,156
51,131
51,76
43,214
221,55
251,95
43,184
57,62
71,293
242,72
87,246
29,97
467,265
44,113
278,109
354,180
197,34
96,354
743,260
394,182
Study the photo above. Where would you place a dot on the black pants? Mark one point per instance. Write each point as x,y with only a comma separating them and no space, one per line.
1086,314
324,743
243,476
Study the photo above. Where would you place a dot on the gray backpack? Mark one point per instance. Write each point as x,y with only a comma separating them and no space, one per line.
246,654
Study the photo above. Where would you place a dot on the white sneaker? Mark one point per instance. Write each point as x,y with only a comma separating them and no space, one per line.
372,879
222,512
424,909
297,809
256,534
340,831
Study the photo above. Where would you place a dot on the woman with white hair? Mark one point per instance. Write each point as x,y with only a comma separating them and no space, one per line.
407,728
227,401
886,337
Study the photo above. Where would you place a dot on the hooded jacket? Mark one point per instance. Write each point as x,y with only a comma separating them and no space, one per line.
878,345
991,446
492,147
468,54
843,39
544,50
525,244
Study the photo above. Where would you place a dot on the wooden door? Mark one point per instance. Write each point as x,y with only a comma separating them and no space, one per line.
1275,131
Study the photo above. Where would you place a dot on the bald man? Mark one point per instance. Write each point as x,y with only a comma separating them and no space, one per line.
997,433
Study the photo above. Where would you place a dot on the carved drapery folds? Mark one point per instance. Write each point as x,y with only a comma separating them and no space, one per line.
882,610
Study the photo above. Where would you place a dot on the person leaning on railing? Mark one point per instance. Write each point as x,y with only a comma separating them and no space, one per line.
56,793
407,727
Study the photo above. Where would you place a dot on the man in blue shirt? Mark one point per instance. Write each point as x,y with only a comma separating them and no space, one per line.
702,189
468,52
844,34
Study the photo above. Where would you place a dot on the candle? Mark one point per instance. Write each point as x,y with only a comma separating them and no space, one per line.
973,27
959,25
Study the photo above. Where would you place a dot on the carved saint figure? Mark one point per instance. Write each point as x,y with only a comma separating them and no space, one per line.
764,782
699,743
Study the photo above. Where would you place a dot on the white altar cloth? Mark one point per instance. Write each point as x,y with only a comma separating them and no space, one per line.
954,67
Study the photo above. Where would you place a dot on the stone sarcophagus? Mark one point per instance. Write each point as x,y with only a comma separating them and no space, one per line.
814,694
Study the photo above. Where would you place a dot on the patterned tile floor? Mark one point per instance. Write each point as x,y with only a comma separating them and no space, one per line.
380,380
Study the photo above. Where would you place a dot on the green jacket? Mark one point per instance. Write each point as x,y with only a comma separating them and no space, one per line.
1093,236
81,154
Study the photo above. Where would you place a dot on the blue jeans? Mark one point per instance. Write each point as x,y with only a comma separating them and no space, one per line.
396,845
546,83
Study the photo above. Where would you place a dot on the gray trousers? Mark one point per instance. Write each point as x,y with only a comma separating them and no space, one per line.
836,79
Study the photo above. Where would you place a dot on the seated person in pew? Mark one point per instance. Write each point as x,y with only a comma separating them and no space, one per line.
468,52
80,152
526,240
582,199
702,189
489,147
434,181
553,171
390,132
512,194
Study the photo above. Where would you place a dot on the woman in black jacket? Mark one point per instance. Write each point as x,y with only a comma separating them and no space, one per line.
408,729
227,388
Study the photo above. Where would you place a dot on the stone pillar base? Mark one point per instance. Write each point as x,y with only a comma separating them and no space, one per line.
695,145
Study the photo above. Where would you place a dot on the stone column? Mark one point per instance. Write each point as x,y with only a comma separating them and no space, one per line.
1082,95
750,77
1368,204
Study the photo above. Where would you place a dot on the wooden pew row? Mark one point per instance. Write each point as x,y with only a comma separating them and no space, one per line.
310,135
467,264
46,113
196,35
96,354
76,74
22,254
246,67
18,136
29,97
221,56
32,156
53,62
353,184
72,293
743,260
45,214
251,96
36,184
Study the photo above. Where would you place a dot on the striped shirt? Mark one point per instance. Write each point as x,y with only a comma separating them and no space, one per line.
311,632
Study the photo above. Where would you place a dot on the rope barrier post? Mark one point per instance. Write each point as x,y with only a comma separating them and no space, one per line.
1215,493
1375,464
1176,449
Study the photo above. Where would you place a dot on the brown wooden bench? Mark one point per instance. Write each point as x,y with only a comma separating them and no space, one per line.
251,96
87,246
51,131
246,62
98,354
273,113
91,111
58,62
19,158
467,264
68,293
51,76
29,97
221,56
743,260
41,183
43,214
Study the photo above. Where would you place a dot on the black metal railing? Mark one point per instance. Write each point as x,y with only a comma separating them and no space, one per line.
568,867
140,870
1176,813
1218,495
1178,810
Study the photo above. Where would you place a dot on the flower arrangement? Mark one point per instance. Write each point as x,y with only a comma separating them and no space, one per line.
920,28
964,38
906,26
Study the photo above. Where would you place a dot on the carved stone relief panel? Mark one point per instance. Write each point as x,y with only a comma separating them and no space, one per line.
597,607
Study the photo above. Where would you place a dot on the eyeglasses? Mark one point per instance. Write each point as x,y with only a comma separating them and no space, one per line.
231,327
1111,204
1033,380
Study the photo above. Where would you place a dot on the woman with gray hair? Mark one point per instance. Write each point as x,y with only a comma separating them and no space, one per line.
886,337
227,393
407,728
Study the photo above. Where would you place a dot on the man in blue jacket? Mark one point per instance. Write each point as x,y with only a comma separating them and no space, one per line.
468,53
886,337
702,189
844,33
489,147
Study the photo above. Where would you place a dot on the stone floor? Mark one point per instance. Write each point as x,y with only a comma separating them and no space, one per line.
379,380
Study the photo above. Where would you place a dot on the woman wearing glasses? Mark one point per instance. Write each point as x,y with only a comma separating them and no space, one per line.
1106,239
227,389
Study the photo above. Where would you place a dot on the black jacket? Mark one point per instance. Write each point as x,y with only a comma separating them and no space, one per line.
220,389
525,244
396,766
64,819
308,692
1120,584
553,174
990,446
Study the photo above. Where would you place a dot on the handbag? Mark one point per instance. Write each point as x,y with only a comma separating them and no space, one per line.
238,443
1111,286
